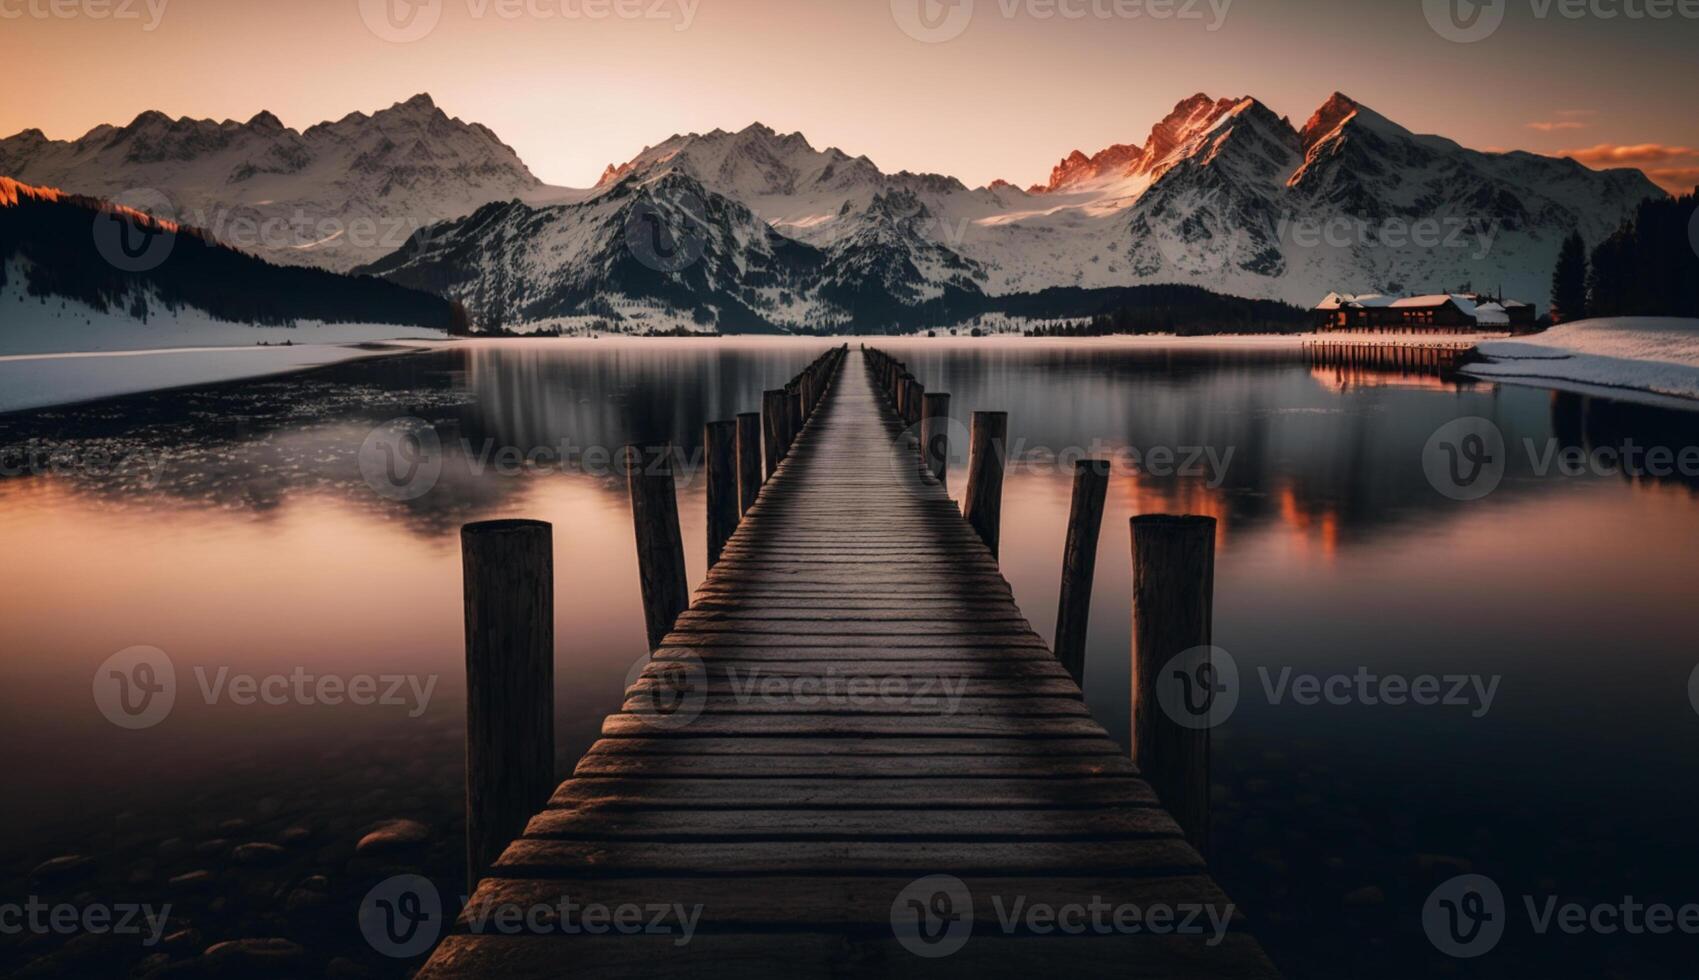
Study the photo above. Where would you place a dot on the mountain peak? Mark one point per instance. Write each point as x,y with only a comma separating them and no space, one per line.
1333,113
147,117
422,101
265,120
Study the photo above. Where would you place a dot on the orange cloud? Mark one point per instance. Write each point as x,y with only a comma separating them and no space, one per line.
1676,180
1552,127
1639,154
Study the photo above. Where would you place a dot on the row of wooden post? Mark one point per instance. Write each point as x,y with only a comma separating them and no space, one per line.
508,572
1173,584
1428,358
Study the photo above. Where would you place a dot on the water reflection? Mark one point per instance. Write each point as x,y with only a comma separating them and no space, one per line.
232,526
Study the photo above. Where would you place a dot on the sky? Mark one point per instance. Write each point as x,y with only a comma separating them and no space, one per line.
978,89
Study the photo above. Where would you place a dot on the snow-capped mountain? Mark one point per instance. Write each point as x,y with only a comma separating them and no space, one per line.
767,231
636,247
336,195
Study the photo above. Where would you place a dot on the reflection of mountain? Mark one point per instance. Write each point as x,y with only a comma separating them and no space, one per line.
1338,465
1338,461
502,415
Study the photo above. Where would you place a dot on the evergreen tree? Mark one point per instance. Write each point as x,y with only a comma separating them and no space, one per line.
1569,280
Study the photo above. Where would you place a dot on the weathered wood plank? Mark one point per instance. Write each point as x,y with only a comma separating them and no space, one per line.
852,702
862,903
702,792
1024,766
830,954
527,858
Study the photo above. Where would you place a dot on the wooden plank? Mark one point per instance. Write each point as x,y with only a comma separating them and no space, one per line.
763,746
1047,790
805,956
527,858
853,903
1025,765
1106,823
859,703
631,723
894,700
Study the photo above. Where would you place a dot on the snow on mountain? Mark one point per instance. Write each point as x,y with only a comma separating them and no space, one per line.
336,195
660,252
1221,193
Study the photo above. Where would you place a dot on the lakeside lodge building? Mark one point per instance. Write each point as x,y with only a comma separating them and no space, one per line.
1434,313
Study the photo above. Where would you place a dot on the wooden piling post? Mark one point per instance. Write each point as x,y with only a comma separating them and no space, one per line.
775,408
748,460
914,404
660,547
1079,564
507,570
796,417
1173,608
935,435
720,449
982,502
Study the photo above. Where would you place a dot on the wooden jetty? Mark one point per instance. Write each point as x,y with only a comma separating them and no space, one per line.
850,705
1421,357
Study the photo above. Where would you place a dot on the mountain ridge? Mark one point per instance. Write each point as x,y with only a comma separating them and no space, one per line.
1221,192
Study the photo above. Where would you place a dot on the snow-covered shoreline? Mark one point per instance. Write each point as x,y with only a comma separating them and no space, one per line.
35,381
1651,359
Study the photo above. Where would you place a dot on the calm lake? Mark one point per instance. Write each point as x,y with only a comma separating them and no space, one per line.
233,528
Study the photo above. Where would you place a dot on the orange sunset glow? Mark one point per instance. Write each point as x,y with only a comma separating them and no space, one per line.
1016,91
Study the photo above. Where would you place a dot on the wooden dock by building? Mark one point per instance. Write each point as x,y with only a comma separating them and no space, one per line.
856,757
